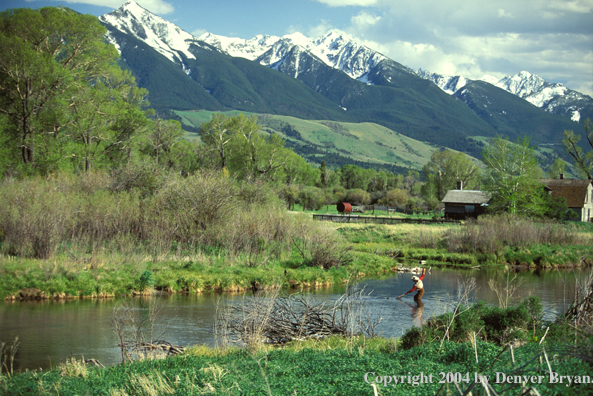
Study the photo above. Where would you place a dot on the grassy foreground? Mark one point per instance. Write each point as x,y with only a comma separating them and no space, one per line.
334,366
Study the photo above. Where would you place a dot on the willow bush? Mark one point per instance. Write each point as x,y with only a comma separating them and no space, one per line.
87,214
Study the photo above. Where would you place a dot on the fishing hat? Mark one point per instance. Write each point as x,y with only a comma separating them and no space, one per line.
415,278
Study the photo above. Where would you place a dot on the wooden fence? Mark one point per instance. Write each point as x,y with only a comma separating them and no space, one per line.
338,218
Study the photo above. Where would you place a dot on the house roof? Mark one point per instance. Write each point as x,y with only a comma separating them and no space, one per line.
466,197
574,190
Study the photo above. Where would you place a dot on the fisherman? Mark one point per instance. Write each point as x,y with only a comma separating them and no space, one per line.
418,285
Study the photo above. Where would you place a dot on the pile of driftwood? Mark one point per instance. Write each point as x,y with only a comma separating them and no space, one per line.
158,346
158,349
278,319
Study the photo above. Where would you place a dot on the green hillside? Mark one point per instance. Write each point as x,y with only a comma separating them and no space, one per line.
318,140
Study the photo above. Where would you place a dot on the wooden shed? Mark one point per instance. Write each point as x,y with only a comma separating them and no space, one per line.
463,204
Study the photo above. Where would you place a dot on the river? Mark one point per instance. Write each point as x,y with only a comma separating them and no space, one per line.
51,331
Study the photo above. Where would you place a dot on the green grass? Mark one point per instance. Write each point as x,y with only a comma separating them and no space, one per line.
329,367
195,118
365,142
375,250
61,278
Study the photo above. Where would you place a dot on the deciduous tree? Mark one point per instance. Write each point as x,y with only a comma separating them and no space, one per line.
445,169
395,197
583,157
513,177
58,78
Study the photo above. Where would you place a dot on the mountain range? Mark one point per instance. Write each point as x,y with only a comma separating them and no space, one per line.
552,97
335,78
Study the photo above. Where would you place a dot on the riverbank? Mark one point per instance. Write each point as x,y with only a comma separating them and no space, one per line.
100,235
361,251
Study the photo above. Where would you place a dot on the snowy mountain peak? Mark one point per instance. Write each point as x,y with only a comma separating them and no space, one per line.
298,39
553,97
449,84
522,84
162,35
335,36
341,51
335,48
133,7
234,46
489,79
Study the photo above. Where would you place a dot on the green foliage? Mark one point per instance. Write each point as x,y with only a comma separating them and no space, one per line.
513,177
311,198
396,197
238,145
557,169
492,324
146,280
77,109
556,208
357,196
330,366
445,169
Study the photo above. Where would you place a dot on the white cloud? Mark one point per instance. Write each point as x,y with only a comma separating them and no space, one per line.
320,29
364,19
198,32
156,6
504,14
580,6
551,38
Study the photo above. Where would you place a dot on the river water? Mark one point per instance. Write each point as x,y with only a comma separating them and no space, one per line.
51,331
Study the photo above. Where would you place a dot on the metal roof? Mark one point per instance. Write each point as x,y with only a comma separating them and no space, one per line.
466,197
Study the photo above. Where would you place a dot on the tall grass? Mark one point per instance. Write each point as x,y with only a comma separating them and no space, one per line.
491,234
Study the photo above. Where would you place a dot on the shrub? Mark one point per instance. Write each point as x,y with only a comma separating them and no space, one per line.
146,177
312,198
34,217
493,324
358,196
396,197
491,234
146,280
159,217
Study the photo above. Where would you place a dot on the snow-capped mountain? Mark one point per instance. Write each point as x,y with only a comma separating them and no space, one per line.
165,37
336,49
249,49
332,77
446,83
554,98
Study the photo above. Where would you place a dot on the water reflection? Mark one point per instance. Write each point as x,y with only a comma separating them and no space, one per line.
417,313
51,331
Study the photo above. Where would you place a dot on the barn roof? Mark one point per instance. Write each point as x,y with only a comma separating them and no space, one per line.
466,197
574,190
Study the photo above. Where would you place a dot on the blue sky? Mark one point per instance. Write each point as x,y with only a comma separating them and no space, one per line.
550,38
